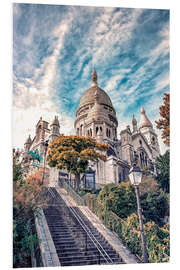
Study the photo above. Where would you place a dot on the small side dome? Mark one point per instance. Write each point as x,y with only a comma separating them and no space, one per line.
144,122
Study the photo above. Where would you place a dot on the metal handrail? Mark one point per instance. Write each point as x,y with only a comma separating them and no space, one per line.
87,230
76,196
95,240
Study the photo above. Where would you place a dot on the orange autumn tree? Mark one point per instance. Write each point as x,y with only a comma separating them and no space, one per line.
164,122
73,153
28,193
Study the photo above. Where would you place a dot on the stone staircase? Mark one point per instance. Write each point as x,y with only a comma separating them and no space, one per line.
76,240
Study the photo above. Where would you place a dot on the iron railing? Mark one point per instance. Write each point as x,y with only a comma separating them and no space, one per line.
77,198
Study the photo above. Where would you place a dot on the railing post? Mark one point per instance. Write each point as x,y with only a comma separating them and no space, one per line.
86,242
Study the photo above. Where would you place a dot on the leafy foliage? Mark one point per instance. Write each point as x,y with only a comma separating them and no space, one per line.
155,206
128,230
24,240
121,200
164,122
35,155
17,170
163,167
28,195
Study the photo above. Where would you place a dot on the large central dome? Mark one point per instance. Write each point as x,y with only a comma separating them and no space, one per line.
88,97
96,114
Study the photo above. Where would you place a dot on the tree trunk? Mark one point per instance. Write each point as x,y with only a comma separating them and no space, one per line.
77,181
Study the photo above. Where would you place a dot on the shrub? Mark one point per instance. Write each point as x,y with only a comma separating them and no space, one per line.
115,205
120,199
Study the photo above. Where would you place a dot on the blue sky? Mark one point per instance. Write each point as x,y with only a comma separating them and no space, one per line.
56,47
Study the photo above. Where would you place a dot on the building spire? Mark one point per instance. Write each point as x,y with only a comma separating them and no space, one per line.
134,123
94,78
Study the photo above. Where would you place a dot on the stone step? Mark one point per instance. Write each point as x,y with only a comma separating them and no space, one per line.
87,262
71,240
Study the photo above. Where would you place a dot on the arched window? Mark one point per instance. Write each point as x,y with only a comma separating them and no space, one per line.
153,140
145,161
109,133
119,181
142,158
90,132
101,129
97,130
124,175
81,127
106,132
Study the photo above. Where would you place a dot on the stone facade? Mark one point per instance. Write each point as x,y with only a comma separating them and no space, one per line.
43,134
96,117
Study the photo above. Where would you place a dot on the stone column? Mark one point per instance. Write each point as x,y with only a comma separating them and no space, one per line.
104,130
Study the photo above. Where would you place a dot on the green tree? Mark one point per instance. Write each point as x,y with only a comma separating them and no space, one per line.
155,206
121,200
73,153
163,167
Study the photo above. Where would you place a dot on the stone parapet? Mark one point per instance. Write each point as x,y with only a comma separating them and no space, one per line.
47,248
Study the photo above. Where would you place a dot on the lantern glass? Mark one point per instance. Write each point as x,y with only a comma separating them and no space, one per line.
135,176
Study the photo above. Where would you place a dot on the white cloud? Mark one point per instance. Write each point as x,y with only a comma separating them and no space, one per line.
112,83
118,32
50,62
34,99
24,122
163,82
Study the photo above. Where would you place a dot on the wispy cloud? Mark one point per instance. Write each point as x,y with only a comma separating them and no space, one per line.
56,47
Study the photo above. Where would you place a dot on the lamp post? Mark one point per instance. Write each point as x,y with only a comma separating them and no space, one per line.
135,176
45,144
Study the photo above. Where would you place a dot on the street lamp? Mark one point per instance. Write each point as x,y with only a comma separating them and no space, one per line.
45,144
135,176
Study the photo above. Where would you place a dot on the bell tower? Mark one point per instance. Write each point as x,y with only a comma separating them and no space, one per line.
126,145
27,144
54,129
134,124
